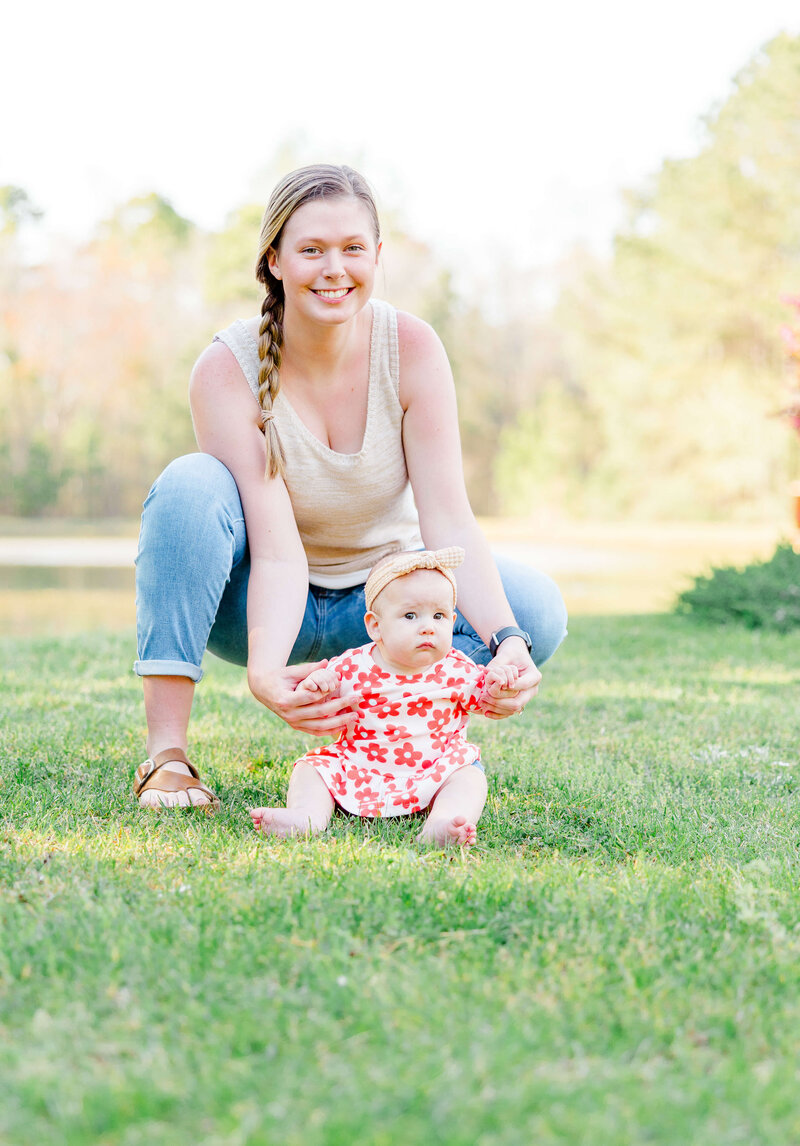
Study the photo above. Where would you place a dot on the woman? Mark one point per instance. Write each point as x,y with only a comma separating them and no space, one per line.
329,438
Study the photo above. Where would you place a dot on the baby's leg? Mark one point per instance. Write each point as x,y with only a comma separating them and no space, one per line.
309,806
456,809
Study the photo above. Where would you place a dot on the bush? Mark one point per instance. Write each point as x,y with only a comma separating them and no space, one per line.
765,594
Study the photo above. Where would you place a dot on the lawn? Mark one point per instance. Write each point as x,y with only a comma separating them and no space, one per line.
617,962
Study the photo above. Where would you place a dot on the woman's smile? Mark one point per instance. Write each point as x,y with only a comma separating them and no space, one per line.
332,294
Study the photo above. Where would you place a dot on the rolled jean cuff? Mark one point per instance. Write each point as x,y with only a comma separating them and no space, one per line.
168,668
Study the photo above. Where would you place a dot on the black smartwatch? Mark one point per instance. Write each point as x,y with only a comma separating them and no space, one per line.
508,631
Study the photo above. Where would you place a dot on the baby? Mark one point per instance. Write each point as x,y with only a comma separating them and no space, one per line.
407,749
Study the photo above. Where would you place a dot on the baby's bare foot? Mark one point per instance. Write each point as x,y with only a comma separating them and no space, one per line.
449,833
283,822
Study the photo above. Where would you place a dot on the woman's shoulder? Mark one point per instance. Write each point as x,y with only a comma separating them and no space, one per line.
419,345
423,358
414,332
226,358
233,352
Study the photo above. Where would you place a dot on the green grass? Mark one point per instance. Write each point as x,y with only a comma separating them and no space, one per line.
617,962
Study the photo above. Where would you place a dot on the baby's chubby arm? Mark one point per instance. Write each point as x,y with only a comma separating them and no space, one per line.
320,682
501,678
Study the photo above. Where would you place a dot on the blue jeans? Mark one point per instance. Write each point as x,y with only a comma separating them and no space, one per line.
191,585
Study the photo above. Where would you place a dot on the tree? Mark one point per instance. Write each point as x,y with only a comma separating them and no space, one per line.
674,344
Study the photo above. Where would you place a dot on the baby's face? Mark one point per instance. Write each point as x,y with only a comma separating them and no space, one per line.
411,621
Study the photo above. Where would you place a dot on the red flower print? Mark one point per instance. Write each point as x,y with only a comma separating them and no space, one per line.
375,753
359,775
396,732
437,673
408,800
432,770
405,756
391,708
420,706
461,753
370,701
439,717
369,803
361,733
346,668
367,680
339,785
440,741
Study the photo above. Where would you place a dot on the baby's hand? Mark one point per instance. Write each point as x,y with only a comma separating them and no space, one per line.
501,678
321,682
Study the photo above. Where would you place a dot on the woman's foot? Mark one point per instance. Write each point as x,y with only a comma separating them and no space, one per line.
285,822
170,780
442,833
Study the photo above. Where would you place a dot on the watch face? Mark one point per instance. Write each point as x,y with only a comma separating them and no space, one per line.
511,631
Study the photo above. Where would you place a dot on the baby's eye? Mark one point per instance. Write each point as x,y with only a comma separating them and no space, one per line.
410,616
438,616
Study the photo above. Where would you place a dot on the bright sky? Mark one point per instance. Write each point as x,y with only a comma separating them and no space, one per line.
500,128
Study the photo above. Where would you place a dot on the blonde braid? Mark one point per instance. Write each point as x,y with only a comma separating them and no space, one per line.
270,345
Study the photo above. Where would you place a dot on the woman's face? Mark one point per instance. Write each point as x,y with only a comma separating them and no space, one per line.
327,259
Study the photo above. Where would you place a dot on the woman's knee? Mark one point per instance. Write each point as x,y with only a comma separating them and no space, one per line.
193,514
196,478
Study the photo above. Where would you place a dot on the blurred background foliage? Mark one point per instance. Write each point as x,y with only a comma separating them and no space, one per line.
644,390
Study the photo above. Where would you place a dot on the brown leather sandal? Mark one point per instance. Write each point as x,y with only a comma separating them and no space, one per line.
146,779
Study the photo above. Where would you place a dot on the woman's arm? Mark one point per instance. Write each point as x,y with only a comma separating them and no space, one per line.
433,456
226,423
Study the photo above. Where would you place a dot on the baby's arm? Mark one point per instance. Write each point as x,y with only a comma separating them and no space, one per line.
501,678
319,683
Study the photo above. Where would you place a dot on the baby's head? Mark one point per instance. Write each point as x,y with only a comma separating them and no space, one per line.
411,598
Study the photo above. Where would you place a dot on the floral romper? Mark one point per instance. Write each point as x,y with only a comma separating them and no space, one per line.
409,737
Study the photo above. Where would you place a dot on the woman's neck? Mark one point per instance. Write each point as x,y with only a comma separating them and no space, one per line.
314,351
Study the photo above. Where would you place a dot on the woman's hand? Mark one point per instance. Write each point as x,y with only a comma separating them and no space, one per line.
498,704
305,709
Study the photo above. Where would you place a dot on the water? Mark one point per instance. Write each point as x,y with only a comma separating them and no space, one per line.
38,600
55,586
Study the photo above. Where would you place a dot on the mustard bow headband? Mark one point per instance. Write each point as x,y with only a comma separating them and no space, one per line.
397,565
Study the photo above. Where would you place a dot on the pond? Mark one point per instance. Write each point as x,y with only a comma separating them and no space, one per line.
38,600
55,586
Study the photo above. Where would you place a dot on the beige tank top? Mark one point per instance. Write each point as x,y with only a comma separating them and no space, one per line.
350,509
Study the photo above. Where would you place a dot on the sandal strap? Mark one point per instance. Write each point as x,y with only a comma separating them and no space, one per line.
167,780
174,754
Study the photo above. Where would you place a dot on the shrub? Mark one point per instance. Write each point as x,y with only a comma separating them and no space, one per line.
765,594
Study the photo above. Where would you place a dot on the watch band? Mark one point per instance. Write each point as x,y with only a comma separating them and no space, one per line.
509,631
